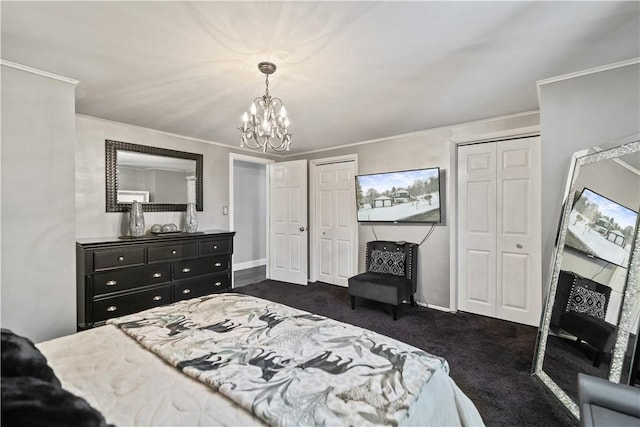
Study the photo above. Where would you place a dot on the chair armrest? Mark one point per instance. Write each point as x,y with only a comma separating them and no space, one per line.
601,392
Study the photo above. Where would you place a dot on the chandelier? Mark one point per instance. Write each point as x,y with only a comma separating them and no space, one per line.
266,125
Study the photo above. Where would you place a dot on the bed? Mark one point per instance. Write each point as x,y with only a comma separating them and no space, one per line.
233,359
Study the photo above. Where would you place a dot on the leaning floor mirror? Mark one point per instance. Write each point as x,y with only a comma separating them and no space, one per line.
590,320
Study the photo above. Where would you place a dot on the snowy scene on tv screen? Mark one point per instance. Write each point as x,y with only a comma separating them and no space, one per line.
601,228
407,196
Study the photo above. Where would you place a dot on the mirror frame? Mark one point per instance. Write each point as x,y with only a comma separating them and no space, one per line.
111,182
632,286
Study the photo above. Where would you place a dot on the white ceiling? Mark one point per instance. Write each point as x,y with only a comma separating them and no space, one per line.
347,71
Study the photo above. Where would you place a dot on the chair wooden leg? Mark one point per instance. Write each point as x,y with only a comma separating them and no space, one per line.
394,308
412,300
353,302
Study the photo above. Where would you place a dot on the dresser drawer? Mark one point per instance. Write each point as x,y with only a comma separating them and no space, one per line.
199,266
125,257
126,304
215,246
133,277
174,251
204,285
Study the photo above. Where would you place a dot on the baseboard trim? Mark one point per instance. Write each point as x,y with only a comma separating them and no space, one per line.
249,264
435,307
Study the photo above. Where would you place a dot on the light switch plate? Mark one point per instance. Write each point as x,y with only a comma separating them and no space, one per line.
225,210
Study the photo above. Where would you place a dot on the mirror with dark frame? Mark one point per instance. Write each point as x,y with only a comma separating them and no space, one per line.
163,180
590,320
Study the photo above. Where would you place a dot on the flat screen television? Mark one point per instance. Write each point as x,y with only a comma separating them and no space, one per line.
601,228
411,196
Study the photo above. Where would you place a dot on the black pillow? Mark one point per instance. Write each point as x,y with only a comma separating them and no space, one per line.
28,401
20,357
32,394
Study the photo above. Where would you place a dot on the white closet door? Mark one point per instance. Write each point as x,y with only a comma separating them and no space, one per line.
336,222
519,282
477,228
499,240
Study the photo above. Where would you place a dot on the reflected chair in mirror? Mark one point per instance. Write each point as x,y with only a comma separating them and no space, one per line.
390,274
606,404
580,308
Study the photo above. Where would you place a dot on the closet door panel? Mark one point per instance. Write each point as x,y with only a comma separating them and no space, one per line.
519,286
477,229
499,230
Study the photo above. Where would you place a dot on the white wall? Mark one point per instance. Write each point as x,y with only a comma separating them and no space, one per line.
419,150
250,213
577,113
38,205
91,218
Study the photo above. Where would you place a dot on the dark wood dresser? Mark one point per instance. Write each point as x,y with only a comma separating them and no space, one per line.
118,276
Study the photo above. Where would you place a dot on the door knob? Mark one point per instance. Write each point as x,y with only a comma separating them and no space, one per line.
301,228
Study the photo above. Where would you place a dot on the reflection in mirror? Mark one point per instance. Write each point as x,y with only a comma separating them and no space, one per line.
164,180
155,179
590,321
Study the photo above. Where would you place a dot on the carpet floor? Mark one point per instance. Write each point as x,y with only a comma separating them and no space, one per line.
490,359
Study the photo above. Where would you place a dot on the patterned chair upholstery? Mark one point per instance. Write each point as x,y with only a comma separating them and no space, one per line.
580,309
390,274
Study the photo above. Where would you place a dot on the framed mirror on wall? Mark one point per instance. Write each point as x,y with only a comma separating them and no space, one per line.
162,179
590,320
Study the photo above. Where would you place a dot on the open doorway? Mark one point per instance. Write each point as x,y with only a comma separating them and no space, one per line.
249,217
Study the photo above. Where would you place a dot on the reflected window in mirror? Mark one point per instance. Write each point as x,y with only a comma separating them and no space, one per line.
162,179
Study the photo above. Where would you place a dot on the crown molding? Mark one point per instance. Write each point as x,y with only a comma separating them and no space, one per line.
161,132
420,132
588,71
39,72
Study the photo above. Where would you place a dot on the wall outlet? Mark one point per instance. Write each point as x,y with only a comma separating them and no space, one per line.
225,210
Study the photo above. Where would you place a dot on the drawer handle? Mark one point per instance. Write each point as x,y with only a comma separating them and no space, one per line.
157,298
120,258
218,264
217,284
112,308
186,291
173,252
186,270
111,283
156,275
215,246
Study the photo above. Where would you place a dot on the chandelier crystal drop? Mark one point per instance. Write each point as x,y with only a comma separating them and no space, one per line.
266,125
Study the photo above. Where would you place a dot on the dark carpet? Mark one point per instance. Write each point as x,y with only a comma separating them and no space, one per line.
490,359
564,358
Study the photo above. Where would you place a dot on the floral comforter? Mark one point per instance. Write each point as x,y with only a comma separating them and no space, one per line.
287,366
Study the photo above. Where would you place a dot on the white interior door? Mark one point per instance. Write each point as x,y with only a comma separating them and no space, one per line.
477,228
499,241
519,282
288,238
335,222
